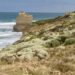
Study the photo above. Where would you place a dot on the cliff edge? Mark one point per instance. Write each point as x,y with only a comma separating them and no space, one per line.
47,49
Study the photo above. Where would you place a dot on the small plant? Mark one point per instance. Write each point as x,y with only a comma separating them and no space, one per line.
69,41
53,43
41,33
62,39
73,34
46,38
62,67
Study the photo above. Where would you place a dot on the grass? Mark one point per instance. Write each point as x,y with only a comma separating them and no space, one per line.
53,43
42,22
60,61
69,41
53,65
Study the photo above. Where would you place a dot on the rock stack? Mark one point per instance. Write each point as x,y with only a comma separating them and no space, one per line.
23,22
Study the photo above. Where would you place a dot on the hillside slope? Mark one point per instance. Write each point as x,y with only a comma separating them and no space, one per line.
47,49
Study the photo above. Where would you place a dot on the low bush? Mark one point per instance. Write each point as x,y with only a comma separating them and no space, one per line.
69,41
41,33
46,38
53,43
73,34
62,39
62,67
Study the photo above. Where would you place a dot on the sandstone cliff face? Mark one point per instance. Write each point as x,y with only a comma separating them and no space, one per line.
23,22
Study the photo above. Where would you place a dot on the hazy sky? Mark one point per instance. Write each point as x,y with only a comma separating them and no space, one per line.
37,5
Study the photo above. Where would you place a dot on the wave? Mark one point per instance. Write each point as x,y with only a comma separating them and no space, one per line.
7,23
6,26
34,20
10,34
7,36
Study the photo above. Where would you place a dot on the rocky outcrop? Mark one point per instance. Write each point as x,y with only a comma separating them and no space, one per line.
23,22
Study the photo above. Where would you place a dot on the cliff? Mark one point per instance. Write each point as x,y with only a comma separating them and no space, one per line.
47,49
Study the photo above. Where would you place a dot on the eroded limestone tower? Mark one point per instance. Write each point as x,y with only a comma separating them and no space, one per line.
23,22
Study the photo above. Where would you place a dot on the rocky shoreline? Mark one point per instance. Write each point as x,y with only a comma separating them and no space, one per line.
47,47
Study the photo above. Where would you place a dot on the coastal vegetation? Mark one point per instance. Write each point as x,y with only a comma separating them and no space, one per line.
47,48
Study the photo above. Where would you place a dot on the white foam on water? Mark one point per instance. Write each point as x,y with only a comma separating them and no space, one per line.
35,20
8,37
10,34
7,23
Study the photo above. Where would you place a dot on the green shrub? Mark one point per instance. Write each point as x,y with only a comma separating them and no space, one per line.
69,41
53,43
46,38
73,34
62,39
44,21
41,33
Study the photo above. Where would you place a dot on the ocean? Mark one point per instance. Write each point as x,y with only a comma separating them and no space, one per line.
8,20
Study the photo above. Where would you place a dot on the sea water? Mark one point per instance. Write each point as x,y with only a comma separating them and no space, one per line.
8,20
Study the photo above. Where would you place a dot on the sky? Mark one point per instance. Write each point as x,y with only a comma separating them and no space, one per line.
37,5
